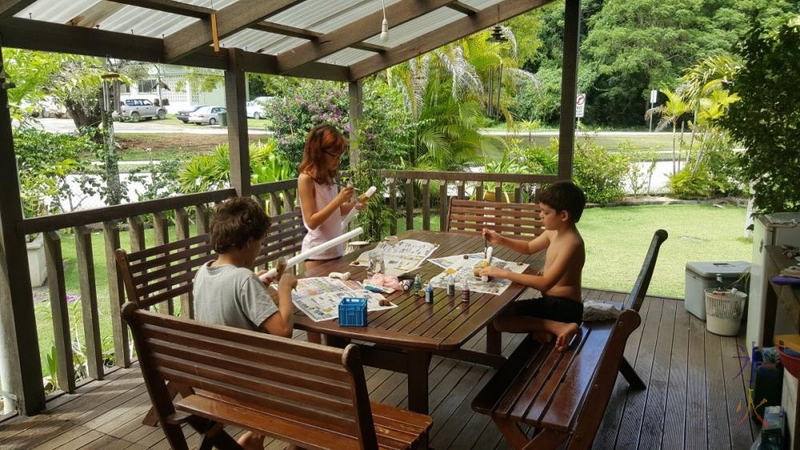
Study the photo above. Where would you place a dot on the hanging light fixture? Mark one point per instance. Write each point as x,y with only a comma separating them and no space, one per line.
497,35
384,24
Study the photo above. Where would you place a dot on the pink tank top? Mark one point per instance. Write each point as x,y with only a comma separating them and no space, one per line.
330,229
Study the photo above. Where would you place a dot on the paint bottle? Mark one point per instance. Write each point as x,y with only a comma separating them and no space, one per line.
429,294
465,290
417,283
451,286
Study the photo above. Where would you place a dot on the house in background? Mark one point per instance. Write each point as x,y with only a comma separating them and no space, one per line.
171,83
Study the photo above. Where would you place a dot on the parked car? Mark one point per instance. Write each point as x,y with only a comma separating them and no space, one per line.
140,108
257,108
183,115
207,114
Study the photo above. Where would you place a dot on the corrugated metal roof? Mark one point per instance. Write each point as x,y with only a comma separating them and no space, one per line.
311,17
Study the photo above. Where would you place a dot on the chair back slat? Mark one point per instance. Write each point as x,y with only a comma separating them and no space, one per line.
471,217
642,282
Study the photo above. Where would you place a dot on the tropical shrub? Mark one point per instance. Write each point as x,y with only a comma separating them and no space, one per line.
45,160
599,172
765,118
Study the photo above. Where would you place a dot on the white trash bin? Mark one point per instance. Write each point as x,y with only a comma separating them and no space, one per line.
724,310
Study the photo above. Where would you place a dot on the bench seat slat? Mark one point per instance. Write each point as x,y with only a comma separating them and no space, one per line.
296,432
281,401
302,374
565,404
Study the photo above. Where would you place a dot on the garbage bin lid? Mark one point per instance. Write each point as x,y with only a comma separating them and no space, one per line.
711,269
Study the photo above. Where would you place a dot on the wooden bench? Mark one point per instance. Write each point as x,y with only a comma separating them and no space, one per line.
471,217
157,276
563,395
301,393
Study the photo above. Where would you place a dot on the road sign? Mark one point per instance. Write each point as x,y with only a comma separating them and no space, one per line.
580,104
653,95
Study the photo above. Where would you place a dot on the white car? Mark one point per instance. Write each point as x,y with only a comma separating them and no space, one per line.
207,114
257,108
140,108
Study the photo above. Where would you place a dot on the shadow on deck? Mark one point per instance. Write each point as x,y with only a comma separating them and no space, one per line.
693,378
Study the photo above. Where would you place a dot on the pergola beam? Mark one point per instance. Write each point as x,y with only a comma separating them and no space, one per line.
463,8
452,32
357,31
236,17
10,7
170,6
52,37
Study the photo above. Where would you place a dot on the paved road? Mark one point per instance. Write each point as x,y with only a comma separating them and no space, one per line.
147,126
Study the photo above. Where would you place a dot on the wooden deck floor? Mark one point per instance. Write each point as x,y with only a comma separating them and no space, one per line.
694,388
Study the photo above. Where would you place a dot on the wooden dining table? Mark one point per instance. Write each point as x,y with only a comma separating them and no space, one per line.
403,339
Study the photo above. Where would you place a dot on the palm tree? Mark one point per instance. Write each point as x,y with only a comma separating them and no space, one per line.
670,113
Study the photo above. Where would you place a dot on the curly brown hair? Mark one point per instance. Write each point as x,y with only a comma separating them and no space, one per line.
236,221
321,139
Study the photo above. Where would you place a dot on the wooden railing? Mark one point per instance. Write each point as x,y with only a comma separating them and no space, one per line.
165,216
409,193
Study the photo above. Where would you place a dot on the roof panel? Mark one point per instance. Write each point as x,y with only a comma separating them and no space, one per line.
347,57
56,11
418,27
480,4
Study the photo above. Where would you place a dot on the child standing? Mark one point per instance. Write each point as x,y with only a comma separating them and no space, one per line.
559,312
227,292
322,203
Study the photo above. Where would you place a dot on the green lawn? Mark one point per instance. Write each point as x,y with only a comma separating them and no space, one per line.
616,241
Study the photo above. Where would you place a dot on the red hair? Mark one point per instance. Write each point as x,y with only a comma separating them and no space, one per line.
321,139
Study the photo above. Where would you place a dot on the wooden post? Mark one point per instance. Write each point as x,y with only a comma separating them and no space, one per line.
116,296
238,141
91,321
569,88
59,311
356,89
18,329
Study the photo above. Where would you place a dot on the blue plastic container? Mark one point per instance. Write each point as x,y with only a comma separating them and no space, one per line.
353,312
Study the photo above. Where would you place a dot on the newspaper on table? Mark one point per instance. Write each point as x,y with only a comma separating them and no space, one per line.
319,297
399,258
461,267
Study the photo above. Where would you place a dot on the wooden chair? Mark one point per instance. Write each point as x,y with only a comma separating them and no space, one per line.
563,395
156,276
308,395
471,217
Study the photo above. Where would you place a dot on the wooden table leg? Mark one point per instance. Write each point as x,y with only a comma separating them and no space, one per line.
494,340
418,364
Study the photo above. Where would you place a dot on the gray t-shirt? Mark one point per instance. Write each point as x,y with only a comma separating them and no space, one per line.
233,296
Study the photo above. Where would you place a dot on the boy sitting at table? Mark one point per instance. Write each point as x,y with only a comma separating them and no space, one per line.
560,311
228,292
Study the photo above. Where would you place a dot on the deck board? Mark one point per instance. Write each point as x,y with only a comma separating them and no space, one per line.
691,399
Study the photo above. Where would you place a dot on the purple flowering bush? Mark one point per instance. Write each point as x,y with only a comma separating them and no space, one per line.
304,106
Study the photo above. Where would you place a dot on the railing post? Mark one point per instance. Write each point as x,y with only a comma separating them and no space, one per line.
59,311
122,357
161,233
391,182
409,204
569,88
443,206
136,234
479,191
91,322
426,204
182,232
201,215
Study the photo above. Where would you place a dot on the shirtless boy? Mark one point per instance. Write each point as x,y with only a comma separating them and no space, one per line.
559,312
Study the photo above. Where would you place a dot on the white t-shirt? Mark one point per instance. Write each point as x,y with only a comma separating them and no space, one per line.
232,296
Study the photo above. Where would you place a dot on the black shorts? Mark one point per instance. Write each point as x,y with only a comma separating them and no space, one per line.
549,307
